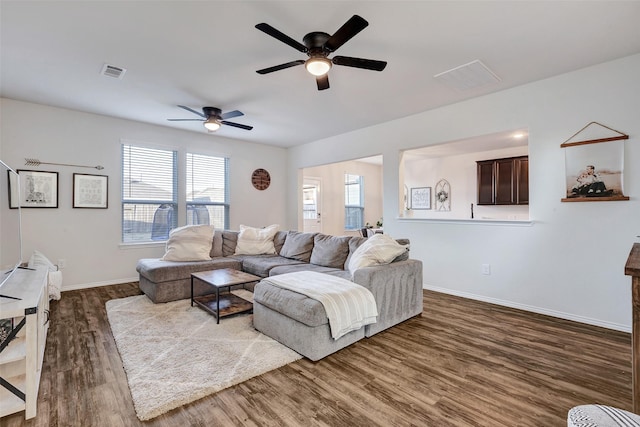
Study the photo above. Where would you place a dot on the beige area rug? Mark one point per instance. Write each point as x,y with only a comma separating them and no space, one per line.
174,354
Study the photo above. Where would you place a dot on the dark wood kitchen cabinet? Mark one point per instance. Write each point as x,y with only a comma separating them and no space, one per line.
503,181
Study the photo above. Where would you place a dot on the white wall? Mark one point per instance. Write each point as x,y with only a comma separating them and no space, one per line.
89,239
332,190
570,261
461,173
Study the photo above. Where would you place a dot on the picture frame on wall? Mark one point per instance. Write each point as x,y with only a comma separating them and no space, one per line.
90,191
38,189
421,198
594,164
14,197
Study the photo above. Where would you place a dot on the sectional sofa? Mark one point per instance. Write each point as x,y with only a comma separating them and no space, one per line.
281,314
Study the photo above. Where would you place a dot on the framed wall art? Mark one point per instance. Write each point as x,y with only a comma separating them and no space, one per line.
90,191
38,189
421,198
594,164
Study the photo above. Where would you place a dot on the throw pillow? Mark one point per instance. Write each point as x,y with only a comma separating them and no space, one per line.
54,276
298,246
38,258
189,243
256,241
330,251
378,249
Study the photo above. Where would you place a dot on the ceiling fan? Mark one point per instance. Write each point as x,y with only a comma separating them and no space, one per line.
318,45
213,118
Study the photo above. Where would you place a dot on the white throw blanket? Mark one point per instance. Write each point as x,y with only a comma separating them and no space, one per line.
349,306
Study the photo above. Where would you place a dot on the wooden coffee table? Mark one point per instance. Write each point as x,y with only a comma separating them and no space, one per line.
226,304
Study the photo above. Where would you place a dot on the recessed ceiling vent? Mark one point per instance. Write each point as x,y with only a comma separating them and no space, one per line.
468,76
113,71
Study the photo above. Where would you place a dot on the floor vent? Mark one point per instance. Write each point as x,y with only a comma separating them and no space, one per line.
468,76
113,71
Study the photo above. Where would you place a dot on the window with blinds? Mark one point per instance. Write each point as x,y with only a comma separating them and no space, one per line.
207,190
149,193
353,201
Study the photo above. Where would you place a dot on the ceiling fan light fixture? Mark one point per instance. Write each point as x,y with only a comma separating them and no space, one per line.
212,124
318,66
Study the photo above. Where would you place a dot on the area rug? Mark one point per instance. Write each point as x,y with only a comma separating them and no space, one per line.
174,354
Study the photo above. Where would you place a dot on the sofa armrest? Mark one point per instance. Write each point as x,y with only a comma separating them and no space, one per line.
397,289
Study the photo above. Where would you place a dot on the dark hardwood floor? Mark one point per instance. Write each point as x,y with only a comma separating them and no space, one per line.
462,363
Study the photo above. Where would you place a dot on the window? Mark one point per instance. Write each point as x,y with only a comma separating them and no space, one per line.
149,193
207,190
353,202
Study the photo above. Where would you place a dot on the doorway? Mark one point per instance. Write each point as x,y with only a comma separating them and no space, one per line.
312,205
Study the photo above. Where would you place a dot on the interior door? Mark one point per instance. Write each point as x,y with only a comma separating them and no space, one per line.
311,205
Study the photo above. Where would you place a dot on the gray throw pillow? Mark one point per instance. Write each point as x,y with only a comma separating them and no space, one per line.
279,240
298,246
229,242
354,244
330,251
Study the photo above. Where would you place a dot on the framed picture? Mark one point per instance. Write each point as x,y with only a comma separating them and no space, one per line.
421,198
14,197
38,189
595,165
90,191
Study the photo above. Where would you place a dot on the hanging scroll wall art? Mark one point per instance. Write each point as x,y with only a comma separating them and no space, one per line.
594,163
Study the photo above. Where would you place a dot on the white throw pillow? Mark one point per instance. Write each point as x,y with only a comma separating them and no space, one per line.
378,249
256,241
54,277
189,243
38,258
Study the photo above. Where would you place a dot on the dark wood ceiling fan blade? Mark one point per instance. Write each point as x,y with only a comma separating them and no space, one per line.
280,67
367,64
231,114
185,120
193,111
323,82
268,29
353,26
237,125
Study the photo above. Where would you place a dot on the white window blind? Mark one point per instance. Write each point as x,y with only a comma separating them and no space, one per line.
353,201
149,193
207,190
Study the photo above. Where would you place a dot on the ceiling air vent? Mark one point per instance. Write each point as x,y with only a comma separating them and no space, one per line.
468,76
113,71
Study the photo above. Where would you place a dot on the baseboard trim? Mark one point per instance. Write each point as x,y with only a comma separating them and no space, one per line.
534,309
98,284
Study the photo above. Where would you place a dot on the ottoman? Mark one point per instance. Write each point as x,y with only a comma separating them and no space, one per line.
601,416
297,321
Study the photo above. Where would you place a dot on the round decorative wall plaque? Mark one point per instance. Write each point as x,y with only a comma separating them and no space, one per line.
261,179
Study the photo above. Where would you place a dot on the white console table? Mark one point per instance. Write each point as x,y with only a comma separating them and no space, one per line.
21,355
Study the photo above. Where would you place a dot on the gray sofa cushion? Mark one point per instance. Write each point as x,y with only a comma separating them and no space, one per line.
298,246
354,244
229,242
216,245
278,240
405,255
159,271
260,265
292,304
330,251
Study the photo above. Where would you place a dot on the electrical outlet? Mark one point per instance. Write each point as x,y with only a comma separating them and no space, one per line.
62,263
486,269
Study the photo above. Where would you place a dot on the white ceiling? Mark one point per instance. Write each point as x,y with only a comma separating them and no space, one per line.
205,53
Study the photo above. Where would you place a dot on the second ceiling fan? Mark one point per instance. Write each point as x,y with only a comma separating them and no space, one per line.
213,118
318,46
